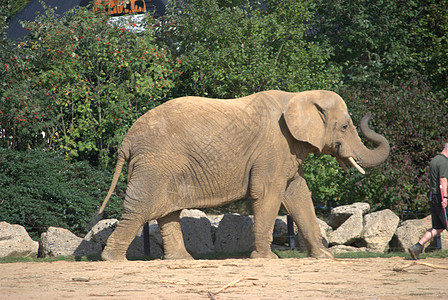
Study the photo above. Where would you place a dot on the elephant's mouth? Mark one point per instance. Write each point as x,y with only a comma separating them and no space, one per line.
352,161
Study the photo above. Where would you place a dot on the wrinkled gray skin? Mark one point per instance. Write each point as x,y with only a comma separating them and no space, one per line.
195,152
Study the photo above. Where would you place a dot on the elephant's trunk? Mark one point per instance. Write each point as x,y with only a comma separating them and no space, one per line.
368,158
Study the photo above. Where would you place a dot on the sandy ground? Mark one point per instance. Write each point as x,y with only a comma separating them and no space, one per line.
368,278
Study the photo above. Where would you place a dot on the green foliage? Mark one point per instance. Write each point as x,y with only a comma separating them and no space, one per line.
430,41
231,51
41,189
16,6
80,82
331,186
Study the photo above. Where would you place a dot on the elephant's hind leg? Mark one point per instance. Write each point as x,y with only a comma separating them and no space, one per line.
299,205
121,238
173,241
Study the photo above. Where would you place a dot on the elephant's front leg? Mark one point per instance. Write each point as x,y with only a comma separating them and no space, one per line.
173,241
299,205
265,211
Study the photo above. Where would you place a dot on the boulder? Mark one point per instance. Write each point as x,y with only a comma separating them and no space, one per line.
197,232
235,234
444,239
349,232
61,242
409,232
15,241
101,231
137,249
155,234
214,221
325,231
340,214
379,228
280,234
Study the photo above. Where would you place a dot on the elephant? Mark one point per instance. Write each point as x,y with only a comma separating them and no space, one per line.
195,152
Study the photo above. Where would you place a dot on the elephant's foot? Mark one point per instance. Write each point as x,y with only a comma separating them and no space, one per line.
263,254
321,253
108,255
179,255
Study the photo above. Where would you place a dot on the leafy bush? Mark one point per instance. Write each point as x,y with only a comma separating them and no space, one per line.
79,83
41,189
331,186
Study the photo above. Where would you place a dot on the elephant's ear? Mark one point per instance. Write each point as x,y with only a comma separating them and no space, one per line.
305,119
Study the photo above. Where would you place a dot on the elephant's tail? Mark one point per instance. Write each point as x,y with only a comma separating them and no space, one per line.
98,215
120,163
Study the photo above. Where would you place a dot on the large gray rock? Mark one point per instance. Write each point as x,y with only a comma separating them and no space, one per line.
280,234
444,239
340,214
101,231
235,234
214,220
325,231
349,231
379,228
197,232
137,248
61,242
409,232
15,241
155,234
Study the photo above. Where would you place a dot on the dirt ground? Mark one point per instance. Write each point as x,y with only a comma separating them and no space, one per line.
367,278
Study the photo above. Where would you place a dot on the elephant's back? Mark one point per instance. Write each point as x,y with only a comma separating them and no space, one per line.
186,116
196,122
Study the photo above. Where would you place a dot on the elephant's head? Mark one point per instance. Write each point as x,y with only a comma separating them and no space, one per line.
321,119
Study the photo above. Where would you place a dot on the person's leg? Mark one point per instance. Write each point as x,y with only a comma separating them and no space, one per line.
417,249
429,235
437,213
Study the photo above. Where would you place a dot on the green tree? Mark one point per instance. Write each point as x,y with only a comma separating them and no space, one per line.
430,42
234,48
385,40
80,81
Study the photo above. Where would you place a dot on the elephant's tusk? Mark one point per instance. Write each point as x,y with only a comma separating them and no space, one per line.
341,163
358,167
